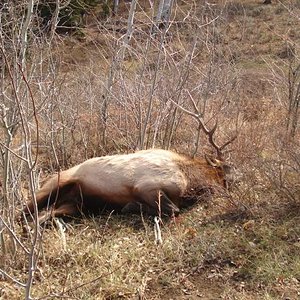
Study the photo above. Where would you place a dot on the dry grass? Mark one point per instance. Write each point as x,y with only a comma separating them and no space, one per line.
242,245
206,252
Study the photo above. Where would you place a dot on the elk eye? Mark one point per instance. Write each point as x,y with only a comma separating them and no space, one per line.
227,168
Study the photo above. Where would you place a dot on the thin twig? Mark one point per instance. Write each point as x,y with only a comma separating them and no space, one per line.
13,152
23,285
14,235
34,115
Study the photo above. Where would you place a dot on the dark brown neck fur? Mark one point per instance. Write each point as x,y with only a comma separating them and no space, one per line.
203,180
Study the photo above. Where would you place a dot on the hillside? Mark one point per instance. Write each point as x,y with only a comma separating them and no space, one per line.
98,91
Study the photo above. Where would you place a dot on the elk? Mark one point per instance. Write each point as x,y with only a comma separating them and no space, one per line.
154,181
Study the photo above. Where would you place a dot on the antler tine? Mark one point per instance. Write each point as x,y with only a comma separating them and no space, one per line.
228,142
210,134
212,142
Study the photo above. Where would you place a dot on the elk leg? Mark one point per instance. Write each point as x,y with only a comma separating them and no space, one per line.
159,203
136,207
133,208
167,205
64,210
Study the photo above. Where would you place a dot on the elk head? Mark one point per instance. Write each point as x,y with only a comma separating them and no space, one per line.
225,171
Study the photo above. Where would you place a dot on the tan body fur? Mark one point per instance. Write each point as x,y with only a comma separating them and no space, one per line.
154,181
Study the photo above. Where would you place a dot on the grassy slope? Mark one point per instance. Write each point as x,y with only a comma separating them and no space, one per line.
244,246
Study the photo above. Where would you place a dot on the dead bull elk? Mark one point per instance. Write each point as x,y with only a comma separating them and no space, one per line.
153,181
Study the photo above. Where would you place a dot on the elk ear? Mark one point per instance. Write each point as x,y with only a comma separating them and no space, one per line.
213,161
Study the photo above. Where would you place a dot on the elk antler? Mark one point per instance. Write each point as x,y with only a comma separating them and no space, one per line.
209,133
